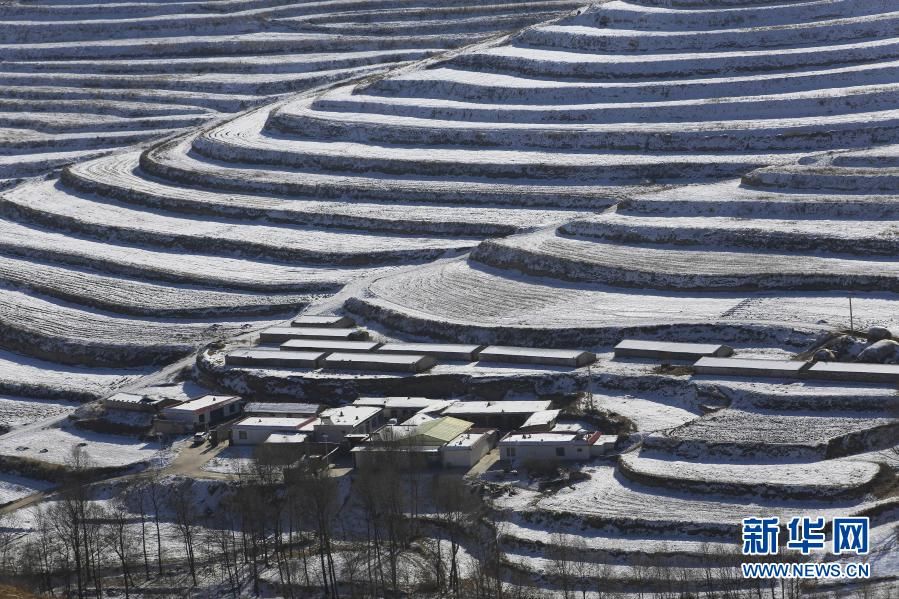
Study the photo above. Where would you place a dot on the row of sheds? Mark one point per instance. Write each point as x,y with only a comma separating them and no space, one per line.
714,359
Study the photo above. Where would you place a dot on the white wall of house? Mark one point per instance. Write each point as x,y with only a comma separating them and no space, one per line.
255,435
250,435
466,456
562,451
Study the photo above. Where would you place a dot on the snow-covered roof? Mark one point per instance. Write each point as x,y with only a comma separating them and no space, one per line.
751,364
207,402
317,345
672,347
348,415
312,333
854,371
445,351
394,402
605,439
497,407
287,438
566,427
541,418
271,422
407,403
362,447
133,398
509,350
467,439
322,320
536,355
549,439
419,418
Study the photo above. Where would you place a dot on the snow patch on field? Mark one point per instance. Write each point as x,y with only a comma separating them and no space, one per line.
55,445
651,412
232,460
13,488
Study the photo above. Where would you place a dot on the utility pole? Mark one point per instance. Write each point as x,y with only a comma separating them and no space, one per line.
851,318
591,405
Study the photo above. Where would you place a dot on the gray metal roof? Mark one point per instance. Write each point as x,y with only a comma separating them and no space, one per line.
259,407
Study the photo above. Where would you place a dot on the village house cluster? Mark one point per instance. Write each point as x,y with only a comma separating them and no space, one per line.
430,432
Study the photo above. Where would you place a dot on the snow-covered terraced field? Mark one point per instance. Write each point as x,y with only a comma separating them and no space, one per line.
780,434
15,411
608,500
22,375
608,546
834,478
683,169
81,79
626,94
59,331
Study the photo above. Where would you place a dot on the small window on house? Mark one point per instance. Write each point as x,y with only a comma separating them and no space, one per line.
202,418
560,452
241,434
232,407
510,451
580,449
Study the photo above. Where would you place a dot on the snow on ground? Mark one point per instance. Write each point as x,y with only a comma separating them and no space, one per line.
888,456
650,412
833,473
55,444
884,557
739,426
232,460
551,533
13,487
607,495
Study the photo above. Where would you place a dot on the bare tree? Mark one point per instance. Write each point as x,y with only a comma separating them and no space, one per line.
221,538
322,493
181,503
137,496
583,568
382,497
563,560
457,510
155,495
118,538
73,519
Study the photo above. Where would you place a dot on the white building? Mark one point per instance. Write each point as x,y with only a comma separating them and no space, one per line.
255,430
336,423
204,411
467,449
521,447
